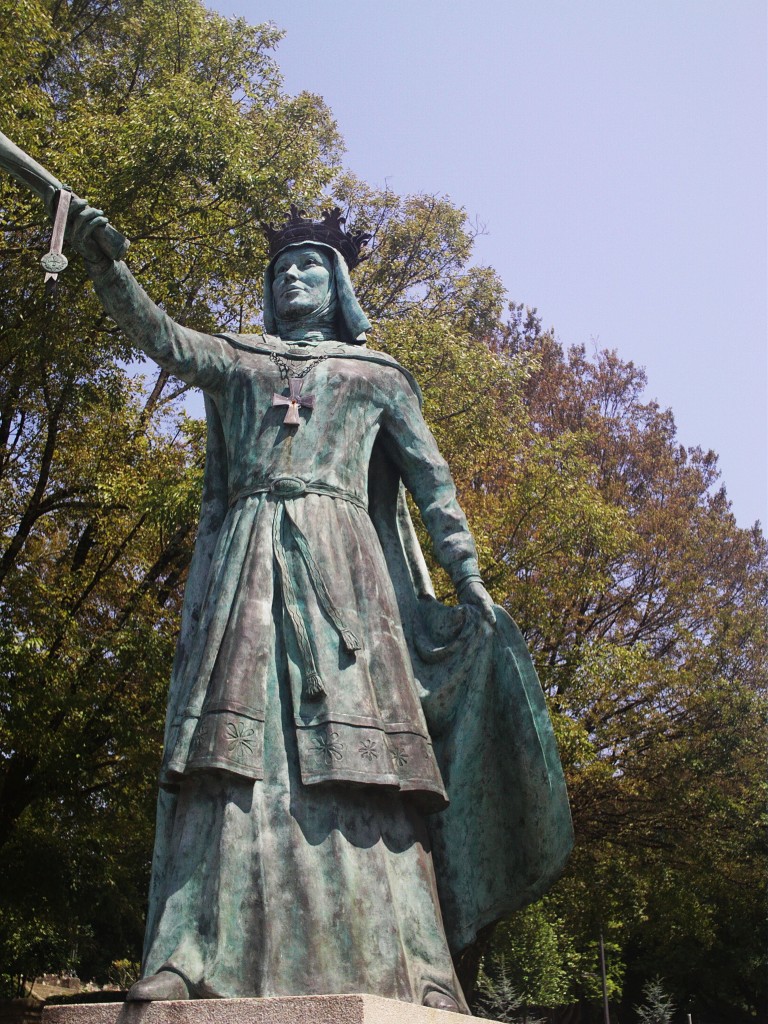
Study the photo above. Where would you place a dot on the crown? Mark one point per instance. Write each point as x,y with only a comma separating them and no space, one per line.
329,229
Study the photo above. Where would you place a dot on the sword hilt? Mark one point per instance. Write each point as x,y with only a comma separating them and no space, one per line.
110,241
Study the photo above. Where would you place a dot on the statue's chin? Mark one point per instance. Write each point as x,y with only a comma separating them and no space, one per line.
297,309
295,314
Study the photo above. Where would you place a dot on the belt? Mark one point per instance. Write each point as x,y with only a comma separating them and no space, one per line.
283,524
295,487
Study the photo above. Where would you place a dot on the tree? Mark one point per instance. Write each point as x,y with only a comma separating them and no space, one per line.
498,999
530,952
173,119
645,605
657,1007
416,267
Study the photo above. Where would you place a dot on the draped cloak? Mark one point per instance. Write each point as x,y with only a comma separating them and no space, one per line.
389,690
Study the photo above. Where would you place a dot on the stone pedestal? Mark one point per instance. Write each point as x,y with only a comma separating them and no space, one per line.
349,1009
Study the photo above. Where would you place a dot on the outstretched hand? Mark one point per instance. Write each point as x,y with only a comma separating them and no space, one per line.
473,592
82,222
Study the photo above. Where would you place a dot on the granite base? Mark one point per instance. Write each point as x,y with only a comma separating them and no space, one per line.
342,1009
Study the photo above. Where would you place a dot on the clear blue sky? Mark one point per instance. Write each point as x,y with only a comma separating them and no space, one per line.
615,151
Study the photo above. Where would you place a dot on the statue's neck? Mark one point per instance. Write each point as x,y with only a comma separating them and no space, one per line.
307,331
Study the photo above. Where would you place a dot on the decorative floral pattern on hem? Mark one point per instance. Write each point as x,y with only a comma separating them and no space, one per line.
240,740
201,738
368,750
399,756
402,758
328,748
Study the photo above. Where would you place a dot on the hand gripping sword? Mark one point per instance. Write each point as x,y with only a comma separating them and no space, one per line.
28,172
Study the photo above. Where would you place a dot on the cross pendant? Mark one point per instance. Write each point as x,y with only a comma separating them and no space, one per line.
295,401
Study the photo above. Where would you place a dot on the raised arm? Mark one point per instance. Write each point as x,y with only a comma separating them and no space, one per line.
427,476
194,357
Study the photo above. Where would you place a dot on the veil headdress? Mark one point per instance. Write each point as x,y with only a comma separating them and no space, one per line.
343,250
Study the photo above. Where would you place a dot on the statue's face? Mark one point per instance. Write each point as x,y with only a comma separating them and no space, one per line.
301,282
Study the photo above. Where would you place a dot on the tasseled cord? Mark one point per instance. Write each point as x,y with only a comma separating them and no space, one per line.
313,688
350,640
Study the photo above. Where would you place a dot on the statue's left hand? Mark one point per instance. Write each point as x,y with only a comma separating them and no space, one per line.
473,592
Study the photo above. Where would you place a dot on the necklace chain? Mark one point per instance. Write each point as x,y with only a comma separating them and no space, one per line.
287,371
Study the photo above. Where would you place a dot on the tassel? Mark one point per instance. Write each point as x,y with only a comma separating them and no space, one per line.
313,687
350,640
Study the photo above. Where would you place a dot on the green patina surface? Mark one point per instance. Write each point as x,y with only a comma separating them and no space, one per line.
340,747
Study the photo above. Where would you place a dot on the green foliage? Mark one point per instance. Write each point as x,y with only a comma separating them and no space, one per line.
417,262
31,944
657,1007
498,999
645,606
532,953
123,973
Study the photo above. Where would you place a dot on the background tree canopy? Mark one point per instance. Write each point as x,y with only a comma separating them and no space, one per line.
613,547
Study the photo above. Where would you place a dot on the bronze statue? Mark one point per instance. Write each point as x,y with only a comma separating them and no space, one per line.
356,778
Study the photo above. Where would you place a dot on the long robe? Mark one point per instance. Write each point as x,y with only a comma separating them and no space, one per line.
293,853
